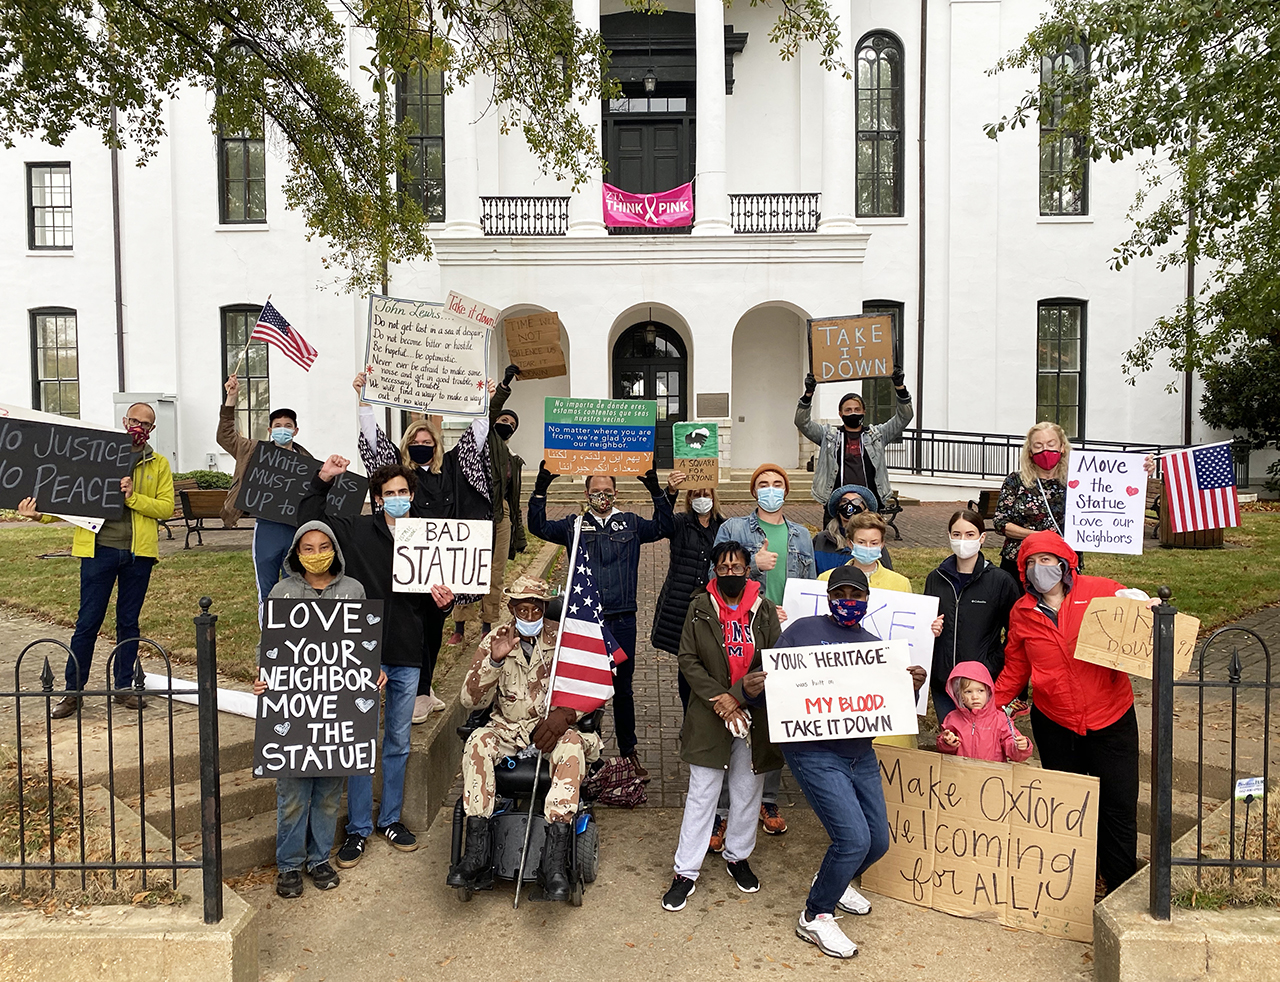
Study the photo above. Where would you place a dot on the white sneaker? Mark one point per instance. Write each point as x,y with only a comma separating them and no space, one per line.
421,709
826,934
851,901
437,704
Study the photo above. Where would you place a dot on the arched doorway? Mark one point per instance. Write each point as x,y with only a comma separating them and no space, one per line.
650,362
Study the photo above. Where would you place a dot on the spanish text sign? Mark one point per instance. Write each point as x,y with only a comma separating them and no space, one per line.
275,481
842,349
319,715
839,692
452,552
67,469
696,450
423,358
1106,501
1119,633
1011,843
599,436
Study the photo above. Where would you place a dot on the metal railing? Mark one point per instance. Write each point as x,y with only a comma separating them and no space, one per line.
38,849
524,215
774,212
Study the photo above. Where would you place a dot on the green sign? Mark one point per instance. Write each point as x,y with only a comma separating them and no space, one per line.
694,440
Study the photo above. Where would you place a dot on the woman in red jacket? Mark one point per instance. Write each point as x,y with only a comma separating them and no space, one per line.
1082,714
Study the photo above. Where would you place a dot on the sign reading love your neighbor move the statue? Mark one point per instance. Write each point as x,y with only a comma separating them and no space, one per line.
843,349
319,715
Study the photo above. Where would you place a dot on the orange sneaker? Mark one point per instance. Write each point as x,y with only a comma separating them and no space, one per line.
774,823
717,835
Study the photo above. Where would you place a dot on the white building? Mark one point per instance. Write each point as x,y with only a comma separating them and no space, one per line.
808,204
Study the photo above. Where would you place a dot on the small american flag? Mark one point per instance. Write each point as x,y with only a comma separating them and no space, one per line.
1202,488
274,329
583,675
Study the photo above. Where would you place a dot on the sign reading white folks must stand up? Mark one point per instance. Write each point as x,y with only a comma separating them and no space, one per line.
319,715
839,691
452,552
1106,502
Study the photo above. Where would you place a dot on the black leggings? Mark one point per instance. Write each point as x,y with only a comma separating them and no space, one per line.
1111,755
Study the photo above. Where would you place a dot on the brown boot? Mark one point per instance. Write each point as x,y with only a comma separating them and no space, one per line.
66,706
131,701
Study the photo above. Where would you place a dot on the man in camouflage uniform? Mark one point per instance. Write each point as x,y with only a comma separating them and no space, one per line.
511,671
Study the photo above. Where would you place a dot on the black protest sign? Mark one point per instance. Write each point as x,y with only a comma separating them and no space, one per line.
67,469
275,482
319,715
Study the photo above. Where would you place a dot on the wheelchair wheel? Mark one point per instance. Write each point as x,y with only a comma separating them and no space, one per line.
576,892
464,894
587,847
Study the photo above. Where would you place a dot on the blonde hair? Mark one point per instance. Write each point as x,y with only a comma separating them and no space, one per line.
867,520
432,425
1028,470
715,502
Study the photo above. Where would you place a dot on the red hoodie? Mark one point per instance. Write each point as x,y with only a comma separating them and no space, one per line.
1076,694
987,734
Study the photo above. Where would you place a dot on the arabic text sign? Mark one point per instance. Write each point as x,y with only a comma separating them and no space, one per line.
1106,501
452,552
71,469
1119,633
846,348
424,359
1010,843
839,692
533,344
697,453
664,209
599,436
319,715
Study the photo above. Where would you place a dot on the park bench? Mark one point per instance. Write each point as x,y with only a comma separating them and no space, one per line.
198,505
1155,495
186,484
890,509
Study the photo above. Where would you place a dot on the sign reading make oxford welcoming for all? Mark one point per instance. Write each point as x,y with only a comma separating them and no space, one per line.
319,715
1106,502
67,469
275,482
599,436
843,349
452,552
696,452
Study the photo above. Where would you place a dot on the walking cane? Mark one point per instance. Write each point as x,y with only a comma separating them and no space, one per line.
528,829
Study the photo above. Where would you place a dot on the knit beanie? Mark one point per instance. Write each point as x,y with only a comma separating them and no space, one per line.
786,482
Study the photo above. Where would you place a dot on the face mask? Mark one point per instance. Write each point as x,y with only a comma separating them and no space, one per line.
732,586
852,420
504,430
701,505
847,509
966,548
397,507
316,562
529,629
1044,578
138,435
771,499
281,435
866,555
847,613
1046,459
601,501
421,453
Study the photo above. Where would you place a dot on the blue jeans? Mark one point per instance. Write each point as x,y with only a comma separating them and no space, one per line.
623,629
402,689
846,795
97,577
271,542
306,821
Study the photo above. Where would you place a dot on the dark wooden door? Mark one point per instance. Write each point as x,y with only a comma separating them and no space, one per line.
657,370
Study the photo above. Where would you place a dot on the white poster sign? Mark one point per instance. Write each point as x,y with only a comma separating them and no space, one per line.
891,615
1106,502
472,311
839,692
452,552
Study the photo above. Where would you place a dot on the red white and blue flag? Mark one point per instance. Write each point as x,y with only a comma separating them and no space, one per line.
275,330
587,654
1201,485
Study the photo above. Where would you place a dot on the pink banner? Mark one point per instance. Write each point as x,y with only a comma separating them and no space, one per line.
665,209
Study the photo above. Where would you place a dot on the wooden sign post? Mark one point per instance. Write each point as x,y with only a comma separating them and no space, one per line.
843,349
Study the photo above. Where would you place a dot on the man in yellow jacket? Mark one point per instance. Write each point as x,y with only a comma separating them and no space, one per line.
123,551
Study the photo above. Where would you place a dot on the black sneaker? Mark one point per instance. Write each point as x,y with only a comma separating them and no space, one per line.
747,881
399,836
289,885
324,876
682,889
351,851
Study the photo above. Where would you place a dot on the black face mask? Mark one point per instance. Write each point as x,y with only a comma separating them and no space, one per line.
732,586
851,420
504,430
421,453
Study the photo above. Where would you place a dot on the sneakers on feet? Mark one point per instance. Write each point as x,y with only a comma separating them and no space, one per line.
747,881
681,889
826,934
717,835
436,704
289,885
421,709
851,901
399,836
774,823
352,850
324,876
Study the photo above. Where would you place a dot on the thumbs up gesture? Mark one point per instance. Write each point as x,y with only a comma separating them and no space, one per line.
765,560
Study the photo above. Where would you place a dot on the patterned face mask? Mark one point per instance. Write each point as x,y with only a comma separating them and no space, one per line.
847,613
601,501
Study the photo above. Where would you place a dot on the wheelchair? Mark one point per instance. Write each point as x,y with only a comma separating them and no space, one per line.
517,790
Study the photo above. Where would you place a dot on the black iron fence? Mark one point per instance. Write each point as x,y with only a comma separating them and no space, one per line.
524,215
774,212
45,781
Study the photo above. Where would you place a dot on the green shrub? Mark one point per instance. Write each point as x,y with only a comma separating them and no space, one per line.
206,480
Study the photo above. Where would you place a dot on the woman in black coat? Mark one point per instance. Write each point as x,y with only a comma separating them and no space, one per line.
695,532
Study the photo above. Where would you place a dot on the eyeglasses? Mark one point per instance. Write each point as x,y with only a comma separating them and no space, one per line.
735,570
130,422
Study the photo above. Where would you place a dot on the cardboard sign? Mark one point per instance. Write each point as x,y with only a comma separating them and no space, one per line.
839,692
697,453
319,715
533,343
275,482
451,552
1011,843
891,615
599,436
472,311
843,349
1106,502
68,469
424,359
1119,633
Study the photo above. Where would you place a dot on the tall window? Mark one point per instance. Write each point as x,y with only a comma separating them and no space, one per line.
255,388
55,362
880,115
1060,364
242,177
420,101
49,206
1064,160
878,394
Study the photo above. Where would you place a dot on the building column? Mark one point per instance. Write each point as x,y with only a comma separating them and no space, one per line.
586,206
838,142
461,163
711,191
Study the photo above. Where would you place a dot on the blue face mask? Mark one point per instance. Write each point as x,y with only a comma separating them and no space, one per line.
771,499
529,629
866,555
848,613
397,507
281,435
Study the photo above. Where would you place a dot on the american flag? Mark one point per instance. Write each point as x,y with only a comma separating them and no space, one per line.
583,675
274,329
1202,488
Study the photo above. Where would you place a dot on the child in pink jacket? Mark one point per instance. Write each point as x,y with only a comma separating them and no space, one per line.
977,727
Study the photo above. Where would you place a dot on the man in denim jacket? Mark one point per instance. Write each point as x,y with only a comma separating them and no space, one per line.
612,541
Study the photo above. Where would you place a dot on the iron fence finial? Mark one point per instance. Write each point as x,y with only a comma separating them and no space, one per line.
46,677
1235,670
205,604
1164,593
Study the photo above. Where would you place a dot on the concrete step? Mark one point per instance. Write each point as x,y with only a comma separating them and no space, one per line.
243,795
1184,809
246,842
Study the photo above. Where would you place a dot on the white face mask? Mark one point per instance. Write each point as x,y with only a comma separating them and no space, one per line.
966,548
701,505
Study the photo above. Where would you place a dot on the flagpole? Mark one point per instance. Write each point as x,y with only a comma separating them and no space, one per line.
245,351
564,609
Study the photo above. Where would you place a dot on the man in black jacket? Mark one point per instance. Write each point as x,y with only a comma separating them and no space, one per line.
367,543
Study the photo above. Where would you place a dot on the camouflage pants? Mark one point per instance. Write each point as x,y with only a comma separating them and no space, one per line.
490,743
